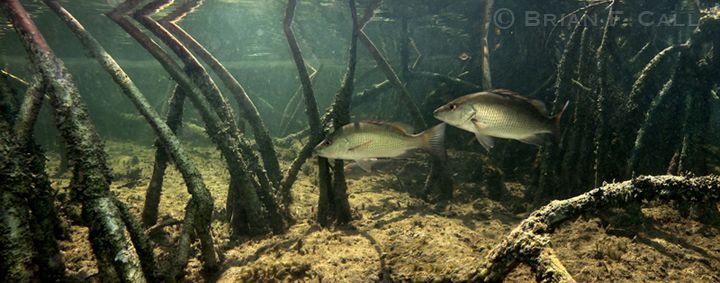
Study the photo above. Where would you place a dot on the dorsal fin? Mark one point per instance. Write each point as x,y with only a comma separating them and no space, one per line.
537,104
403,128
508,93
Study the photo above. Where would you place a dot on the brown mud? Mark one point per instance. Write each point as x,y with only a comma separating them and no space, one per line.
398,236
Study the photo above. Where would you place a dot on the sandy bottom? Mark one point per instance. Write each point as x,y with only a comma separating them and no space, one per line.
396,235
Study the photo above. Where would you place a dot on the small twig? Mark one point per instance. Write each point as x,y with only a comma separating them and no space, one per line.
487,21
157,227
419,57
14,77
582,9
294,101
580,85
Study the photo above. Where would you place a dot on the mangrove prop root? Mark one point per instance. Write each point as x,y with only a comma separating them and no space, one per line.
687,83
173,119
16,246
45,223
8,100
698,81
549,154
339,114
41,199
602,133
28,113
190,174
214,125
439,177
326,205
311,108
182,253
650,121
201,78
638,102
248,110
140,241
505,256
91,178
394,80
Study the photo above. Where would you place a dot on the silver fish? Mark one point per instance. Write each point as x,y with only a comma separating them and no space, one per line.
500,113
365,141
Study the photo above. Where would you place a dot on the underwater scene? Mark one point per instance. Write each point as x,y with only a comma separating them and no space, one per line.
359,141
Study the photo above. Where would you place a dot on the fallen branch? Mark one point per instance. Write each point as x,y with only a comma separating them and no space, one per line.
159,226
504,257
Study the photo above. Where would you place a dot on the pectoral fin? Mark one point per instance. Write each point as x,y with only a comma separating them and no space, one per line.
486,141
534,140
365,164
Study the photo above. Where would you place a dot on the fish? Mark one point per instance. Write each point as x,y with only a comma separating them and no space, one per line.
500,113
366,141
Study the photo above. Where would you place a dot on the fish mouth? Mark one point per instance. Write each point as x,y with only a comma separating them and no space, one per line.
437,111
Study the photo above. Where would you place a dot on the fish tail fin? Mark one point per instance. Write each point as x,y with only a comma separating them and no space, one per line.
557,117
434,141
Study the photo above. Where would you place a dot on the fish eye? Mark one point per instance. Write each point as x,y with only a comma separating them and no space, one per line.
452,106
327,142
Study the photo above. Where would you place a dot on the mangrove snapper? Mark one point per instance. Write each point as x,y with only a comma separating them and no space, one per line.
500,113
366,141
